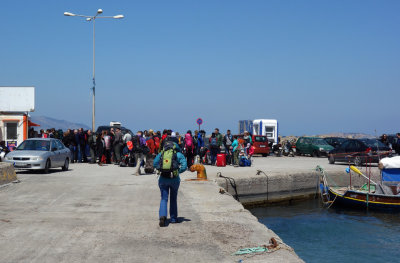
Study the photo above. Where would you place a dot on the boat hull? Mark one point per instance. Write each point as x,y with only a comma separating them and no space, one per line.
363,200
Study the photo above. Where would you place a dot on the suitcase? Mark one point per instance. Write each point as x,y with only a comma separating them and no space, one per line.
221,160
148,167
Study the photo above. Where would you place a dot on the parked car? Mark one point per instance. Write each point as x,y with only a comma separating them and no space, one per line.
359,151
334,141
312,145
260,143
40,154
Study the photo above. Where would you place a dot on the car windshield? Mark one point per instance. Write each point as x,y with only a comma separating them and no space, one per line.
373,143
34,145
260,139
320,142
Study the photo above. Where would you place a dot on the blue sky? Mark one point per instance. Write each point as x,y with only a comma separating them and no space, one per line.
316,66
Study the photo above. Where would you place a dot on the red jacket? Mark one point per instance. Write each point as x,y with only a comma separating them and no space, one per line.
152,146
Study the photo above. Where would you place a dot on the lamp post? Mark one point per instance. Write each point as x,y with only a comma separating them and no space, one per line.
93,19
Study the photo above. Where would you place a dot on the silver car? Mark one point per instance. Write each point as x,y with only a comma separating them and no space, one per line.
40,154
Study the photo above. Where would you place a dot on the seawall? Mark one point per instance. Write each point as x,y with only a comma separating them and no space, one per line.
7,173
274,180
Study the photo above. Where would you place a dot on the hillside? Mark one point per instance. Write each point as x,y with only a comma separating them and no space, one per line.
47,123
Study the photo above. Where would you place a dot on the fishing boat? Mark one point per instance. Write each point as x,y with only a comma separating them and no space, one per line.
384,195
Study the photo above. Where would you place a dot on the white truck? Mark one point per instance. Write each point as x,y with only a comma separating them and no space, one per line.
267,127
115,124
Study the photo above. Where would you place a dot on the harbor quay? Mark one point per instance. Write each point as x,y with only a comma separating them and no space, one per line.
107,214
275,180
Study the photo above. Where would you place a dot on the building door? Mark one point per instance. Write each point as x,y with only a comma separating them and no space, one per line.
11,134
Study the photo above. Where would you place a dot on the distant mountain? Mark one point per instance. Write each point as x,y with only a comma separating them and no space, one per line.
347,135
47,123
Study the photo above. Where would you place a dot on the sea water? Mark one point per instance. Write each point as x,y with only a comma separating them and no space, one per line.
334,235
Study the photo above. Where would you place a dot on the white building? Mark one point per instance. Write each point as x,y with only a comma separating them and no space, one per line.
15,105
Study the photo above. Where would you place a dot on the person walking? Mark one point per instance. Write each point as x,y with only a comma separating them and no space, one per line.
170,162
228,140
139,144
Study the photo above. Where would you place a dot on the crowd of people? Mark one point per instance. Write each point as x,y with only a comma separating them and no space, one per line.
110,146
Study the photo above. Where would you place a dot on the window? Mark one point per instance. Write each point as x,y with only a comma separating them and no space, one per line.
269,131
256,129
60,146
34,145
11,130
345,145
260,139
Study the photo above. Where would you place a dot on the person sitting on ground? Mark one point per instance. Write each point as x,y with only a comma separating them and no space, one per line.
170,162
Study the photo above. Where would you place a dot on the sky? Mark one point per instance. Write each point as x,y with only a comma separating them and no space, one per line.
315,66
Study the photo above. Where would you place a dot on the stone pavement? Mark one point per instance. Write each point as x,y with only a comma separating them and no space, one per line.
106,214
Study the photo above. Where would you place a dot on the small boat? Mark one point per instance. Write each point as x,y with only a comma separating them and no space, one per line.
375,196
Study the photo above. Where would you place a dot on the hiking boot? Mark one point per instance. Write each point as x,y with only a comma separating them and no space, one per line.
163,221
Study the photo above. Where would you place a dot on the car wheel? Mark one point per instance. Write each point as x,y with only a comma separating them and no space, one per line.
47,166
66,165
331,159
265,155
357,161
315,153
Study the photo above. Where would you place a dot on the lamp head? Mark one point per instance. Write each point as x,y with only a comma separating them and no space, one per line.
68,14
99,11
88,19
118,16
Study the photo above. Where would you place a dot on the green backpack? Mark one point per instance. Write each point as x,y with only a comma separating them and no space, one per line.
169,165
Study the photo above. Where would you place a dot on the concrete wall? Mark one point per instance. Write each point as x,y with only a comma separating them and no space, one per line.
272,188
7,173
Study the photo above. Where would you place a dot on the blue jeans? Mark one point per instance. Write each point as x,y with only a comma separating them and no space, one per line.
78,155
213,153
169,187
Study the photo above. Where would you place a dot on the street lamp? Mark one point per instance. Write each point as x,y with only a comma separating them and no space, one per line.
93,18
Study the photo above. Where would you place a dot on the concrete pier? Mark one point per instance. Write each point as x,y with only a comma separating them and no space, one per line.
281,179
106,214
7,173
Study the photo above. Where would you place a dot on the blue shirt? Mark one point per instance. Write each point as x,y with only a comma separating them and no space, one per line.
200,141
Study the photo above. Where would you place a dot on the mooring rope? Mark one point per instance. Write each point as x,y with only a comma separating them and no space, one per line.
232,183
